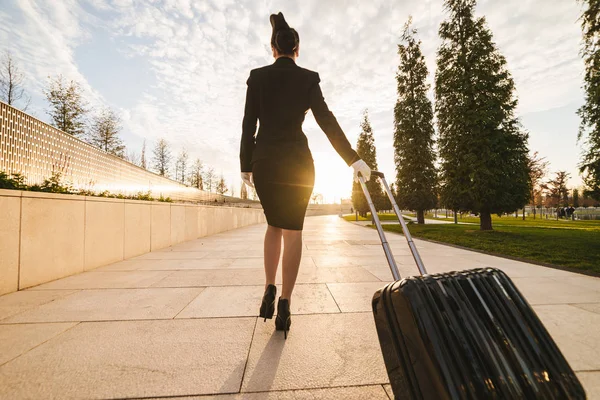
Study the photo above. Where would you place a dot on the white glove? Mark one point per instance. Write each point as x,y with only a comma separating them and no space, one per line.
247,178
363,168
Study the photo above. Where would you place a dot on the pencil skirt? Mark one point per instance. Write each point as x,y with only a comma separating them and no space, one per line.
284,188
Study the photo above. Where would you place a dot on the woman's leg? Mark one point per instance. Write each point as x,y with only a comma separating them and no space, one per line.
292,253
272,252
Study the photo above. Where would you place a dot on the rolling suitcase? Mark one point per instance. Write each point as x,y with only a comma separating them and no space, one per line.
463,335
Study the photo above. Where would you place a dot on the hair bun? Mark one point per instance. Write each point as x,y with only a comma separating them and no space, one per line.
278,22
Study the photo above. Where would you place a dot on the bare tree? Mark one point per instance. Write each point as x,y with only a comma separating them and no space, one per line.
538,168
67,107
11,82
209,179
557,188
196,175
104,133
133,157
243,192
181,166
162,157
143,156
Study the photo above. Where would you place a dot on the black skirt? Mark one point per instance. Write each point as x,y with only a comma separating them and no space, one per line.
284,188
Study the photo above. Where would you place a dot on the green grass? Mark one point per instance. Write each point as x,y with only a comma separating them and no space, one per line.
571,244
530,222
382,217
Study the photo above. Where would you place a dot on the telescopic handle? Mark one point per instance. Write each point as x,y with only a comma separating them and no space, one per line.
407,235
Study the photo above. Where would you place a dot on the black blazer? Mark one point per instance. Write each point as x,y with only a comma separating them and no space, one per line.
279,96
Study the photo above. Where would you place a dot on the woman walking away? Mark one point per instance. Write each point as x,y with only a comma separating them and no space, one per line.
278,162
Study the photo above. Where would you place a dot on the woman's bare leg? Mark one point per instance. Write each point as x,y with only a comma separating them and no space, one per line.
272,253
292,253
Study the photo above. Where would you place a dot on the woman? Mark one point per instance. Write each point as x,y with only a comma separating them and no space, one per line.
278,162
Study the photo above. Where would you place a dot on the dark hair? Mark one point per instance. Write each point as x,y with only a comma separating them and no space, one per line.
286,41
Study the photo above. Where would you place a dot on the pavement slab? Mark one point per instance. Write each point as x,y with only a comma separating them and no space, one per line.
182,321
24,300
133,359
320,351
111,305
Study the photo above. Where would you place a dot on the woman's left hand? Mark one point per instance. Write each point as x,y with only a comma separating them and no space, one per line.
247,178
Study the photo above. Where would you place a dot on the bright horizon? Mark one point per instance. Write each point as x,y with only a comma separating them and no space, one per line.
179,70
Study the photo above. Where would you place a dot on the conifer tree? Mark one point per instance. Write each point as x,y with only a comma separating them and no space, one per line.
104,133
67,107
413,130
143,156
482,146
590,110
365,148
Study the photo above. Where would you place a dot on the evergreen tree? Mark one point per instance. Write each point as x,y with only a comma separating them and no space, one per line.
575,197
482,146
162,157
104,133
67,107
143,156
221,186
590,110
365,148
413,130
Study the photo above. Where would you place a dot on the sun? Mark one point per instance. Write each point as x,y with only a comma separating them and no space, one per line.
333,178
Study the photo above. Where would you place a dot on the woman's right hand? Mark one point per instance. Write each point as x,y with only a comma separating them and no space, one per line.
363,168
247,178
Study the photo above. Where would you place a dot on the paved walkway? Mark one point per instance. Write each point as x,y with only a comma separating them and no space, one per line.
182,321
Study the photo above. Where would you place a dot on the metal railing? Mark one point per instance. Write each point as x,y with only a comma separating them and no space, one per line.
37,150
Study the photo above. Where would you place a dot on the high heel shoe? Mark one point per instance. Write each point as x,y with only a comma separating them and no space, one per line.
284,317
267,307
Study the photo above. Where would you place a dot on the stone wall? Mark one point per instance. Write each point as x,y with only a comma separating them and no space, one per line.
46,236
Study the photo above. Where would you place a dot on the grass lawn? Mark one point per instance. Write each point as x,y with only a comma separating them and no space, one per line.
382,217
571,244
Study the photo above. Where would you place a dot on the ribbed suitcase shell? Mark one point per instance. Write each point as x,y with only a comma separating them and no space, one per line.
468,335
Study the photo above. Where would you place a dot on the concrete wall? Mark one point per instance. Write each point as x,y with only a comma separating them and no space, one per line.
46,236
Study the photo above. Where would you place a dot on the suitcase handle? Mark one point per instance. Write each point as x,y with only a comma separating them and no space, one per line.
384,242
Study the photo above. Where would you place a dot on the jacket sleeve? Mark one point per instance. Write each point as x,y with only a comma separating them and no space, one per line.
249,126
329,124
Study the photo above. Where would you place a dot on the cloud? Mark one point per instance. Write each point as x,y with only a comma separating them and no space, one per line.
201,53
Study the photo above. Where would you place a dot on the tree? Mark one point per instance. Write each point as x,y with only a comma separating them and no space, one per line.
11,82
181,166
557,189
104,133
221,186
575,197
589,112
143,156
162,157
413,129
209,179
365,148
232,190
243,192
133,157
196,175
67,107
482,146
538,167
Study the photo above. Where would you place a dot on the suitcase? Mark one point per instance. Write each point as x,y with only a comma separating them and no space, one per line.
463,335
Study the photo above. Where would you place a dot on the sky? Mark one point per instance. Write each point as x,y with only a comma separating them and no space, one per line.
177,69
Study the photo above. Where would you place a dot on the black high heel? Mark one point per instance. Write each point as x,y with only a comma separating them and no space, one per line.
267,307
284,317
